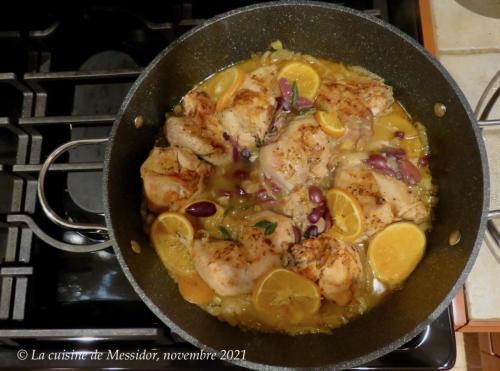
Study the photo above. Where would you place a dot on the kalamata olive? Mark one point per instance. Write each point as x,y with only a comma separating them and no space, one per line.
387,171
316,195
312,231
314,216
423,161
274,187
409,172
397,153
377,161
240,191
303,103
235,154
282,105
286,89
262,195
399,134
201,209
240,174
297,234
245,153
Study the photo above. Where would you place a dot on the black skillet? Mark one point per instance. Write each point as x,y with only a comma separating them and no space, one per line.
458,164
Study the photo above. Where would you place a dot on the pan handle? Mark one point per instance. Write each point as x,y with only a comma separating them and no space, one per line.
51,214
483,108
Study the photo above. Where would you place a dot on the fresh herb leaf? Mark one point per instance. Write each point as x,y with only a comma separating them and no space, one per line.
228,211
270,229
295,94
225,232
268,226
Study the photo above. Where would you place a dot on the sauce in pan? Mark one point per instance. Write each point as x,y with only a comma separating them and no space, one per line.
294,193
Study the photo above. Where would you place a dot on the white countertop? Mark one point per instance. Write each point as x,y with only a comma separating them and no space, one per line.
468,45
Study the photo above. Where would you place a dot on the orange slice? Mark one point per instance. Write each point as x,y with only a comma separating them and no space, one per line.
396,251
172,237
286,294
211,223
330,123
224,85
347,215
304,75
194,290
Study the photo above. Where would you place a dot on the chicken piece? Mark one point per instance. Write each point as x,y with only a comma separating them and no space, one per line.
199,130
250,114
357,103
283,235
334,265
298,206
404,204
171,175
230,267
299,157
383,199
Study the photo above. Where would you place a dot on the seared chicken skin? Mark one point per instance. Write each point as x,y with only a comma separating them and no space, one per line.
384,199
248,118
299,157
357,103
199,130
334,265
231,267
171,175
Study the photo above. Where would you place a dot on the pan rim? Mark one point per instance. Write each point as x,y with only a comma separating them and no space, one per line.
436,64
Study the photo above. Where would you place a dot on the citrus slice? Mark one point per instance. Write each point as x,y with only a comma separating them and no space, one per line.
223,86
395,252
347,215
286,294
172,237
330,123
304,75
194,290
211,223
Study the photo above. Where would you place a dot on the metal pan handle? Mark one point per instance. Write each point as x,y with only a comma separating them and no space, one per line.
51,214
484,106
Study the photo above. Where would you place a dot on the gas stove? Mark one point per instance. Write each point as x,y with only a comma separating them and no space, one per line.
63,75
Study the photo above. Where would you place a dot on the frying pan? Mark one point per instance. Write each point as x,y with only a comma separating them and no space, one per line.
458,164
